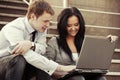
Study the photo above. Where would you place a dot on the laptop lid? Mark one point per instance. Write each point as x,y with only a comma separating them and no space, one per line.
96,53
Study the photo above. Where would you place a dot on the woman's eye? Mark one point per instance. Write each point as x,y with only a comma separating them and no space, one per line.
76,24
68,25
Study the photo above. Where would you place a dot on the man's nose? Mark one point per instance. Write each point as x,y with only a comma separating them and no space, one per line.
48,24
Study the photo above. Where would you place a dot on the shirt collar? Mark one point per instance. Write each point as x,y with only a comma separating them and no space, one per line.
28,26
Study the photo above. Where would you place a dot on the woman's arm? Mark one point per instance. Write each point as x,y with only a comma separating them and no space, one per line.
51,49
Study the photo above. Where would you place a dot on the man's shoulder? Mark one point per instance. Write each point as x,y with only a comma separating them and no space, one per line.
17,23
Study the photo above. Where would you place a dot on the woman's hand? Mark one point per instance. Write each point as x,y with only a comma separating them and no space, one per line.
112,37
58,74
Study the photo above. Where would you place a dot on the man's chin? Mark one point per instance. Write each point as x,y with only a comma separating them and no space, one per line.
41,31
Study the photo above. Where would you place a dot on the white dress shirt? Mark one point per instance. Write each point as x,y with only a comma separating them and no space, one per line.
19,30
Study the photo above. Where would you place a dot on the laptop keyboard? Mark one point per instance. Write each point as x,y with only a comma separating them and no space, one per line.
91,71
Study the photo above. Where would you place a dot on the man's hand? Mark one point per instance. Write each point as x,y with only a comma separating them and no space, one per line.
58,74
22,47
62,70
66,68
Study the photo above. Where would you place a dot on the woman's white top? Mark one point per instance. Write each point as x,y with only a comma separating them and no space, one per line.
75,56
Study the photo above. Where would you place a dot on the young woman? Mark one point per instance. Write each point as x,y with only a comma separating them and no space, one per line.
65,48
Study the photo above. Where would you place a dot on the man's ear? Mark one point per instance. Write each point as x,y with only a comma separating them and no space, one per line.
32,16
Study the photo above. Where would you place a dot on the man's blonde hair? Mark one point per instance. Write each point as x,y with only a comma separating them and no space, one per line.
38,7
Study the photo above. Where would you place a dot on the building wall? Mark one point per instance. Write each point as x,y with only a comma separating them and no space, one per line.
102,17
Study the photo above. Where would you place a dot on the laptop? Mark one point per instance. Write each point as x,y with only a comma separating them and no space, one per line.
96,55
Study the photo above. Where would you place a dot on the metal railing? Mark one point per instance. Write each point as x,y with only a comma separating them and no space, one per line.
27,2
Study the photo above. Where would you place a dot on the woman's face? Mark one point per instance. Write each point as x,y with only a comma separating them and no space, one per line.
73,26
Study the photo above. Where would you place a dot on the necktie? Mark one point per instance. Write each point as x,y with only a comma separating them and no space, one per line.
33,35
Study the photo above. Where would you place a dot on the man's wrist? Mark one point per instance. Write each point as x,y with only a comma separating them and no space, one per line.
60,68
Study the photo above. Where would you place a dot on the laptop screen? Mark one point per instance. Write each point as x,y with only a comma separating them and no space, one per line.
96,53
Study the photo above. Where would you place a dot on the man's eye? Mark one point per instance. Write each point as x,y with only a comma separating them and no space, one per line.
46,21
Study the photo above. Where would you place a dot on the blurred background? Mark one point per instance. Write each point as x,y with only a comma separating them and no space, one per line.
102,17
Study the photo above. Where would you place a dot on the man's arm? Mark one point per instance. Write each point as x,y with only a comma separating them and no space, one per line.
21,47
45,64
31,56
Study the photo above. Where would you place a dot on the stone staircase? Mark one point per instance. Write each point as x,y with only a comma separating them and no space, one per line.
11,9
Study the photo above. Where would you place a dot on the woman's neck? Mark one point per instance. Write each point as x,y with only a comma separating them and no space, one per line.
70,38
70,42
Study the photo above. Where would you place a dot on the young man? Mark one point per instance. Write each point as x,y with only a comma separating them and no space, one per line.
20,48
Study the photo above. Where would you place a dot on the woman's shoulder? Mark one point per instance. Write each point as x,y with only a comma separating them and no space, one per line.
52,40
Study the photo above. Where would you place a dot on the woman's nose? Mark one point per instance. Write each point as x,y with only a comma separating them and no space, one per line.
73,28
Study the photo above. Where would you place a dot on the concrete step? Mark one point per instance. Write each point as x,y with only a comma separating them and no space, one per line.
9,17
115,65
101,5
113,76
93,18
95,30
2,23
17,3
116,55
12,9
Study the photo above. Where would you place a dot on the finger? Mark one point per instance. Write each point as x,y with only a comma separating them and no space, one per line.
114,38
23,52
109,36
14,50
19,50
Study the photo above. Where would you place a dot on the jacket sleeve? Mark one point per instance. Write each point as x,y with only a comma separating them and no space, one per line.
51,50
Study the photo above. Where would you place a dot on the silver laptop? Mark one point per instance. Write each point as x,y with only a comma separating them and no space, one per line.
96,55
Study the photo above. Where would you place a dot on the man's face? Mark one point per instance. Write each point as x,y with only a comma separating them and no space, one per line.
42,22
